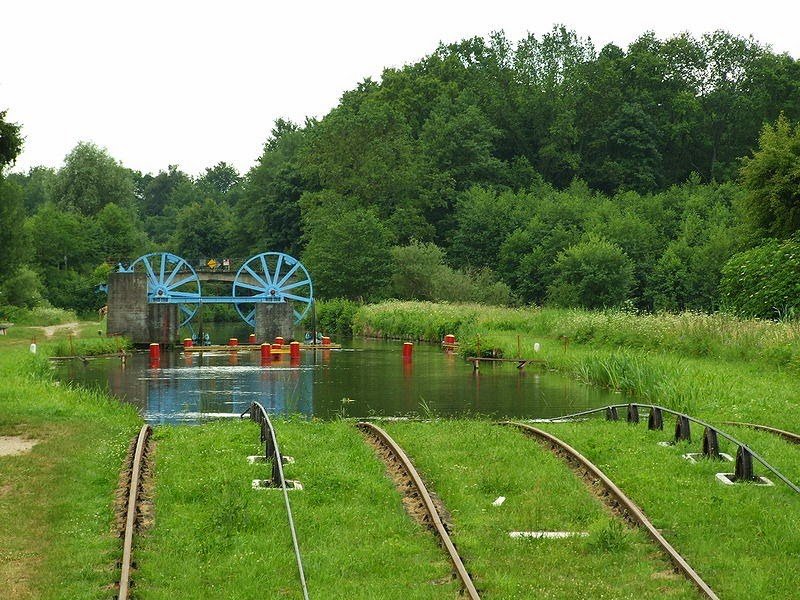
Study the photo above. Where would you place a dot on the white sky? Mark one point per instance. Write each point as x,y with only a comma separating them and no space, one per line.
196,82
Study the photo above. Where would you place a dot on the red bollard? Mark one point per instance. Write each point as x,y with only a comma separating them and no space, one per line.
275,354
408,348
233,342
279,341
294,350
251,339
449,339
155,356
326,341
266,352
187,343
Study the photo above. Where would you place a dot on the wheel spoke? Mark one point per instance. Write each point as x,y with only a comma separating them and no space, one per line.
193,295
297,315
250,315
163,266
174,272
149,270
298,298
250,287
180,282
257,277
288,275
295,285
278,269
265,268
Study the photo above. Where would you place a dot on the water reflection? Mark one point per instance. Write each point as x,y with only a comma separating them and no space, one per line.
369,378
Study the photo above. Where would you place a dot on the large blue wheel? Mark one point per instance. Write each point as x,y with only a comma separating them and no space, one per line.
273,277
170,279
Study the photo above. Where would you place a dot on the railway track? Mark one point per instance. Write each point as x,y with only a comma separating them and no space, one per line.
272,454
133,513
786,435
415,490
614,498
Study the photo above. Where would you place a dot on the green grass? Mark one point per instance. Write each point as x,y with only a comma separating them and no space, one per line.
743,540
688,334
470,463
56,536
216,538
87,346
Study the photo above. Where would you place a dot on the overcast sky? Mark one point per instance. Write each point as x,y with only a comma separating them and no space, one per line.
194,83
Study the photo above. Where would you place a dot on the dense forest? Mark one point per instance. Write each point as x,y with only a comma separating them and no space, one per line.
664,176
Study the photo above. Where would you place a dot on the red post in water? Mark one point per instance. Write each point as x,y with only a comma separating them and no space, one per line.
187,343
279,341
449,339
155,356
294,350
275,351
233,342
266,353
252,339
326,341
408,348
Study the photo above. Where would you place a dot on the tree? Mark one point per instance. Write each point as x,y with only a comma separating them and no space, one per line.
90,179
349,249
772,179
10,141
119,237
202,230
417,267
592,274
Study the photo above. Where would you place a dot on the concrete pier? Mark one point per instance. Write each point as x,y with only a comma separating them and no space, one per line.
130,315
127,307
275,319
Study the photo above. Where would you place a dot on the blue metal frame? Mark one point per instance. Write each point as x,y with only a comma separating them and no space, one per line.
269,277
273,277
172,281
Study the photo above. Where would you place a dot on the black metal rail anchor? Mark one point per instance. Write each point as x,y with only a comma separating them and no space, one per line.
744,454
272,453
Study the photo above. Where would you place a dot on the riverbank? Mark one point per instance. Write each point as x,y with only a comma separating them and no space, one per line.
55,499
213,534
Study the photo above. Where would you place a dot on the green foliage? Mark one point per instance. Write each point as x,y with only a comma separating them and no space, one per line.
23,289
772,179
90,179
417,268
202,229
335,316
764,281
14,247
592,274
10,141
348,252
40,316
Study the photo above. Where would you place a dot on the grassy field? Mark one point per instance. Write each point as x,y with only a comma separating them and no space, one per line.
56,536
471,463
234,542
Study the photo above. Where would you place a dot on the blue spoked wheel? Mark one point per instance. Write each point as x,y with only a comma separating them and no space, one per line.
273,277
170,279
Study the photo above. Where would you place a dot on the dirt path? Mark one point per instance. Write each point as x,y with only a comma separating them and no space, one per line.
51,330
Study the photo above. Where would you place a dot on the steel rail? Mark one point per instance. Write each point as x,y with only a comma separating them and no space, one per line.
259,415
130,520
441,532
700,422
631,508
787,435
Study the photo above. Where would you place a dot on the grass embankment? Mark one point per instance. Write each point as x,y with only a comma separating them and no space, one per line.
214,537
56,537
715,367
470,463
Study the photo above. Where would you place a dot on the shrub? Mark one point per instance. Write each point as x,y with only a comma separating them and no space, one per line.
592,274
763,282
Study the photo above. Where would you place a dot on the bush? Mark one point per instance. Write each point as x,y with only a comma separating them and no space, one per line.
335,316
763,282
592,274
23,288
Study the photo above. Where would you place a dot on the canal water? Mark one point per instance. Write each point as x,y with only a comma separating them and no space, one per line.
365,378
